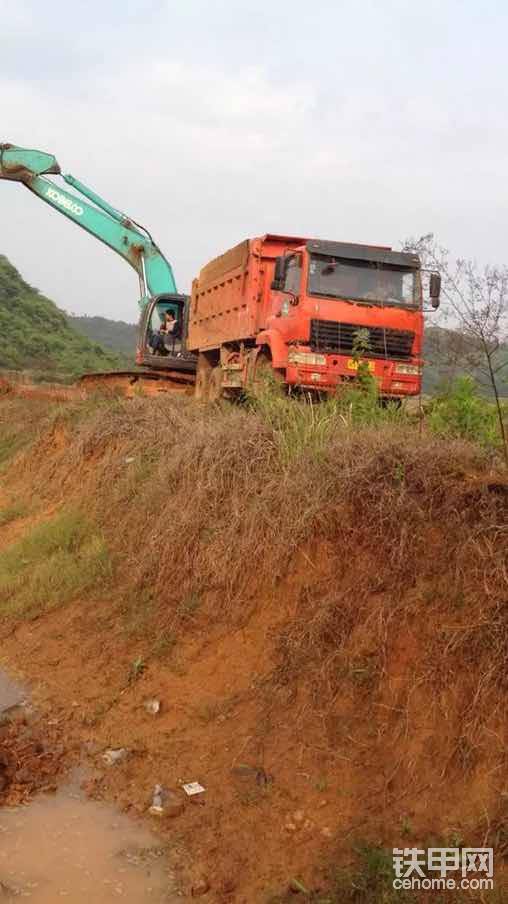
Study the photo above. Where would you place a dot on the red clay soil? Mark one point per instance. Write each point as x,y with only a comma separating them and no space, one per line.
293,775
288,786
32,755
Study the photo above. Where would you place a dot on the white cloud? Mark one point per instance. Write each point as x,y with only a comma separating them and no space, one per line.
203,92
352,142
15,16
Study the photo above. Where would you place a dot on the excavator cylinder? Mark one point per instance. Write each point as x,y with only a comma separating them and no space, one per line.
93,196
21,164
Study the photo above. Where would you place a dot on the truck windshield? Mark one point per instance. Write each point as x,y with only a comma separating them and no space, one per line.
363,281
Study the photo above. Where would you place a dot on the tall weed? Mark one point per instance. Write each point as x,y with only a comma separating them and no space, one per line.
307,423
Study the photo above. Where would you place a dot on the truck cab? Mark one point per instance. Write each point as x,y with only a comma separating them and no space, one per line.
332,303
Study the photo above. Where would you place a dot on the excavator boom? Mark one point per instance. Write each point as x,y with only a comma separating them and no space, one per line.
21,164
94,215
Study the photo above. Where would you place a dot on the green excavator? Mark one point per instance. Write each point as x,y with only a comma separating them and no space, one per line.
164,359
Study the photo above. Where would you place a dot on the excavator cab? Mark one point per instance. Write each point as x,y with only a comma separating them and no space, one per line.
167,351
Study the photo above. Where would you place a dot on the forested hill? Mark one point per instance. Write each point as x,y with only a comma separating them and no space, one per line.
36,336
116,335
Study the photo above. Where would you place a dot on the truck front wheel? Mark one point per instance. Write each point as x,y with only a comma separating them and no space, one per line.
267,378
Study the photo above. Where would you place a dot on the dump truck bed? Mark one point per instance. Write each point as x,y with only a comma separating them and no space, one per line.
228,302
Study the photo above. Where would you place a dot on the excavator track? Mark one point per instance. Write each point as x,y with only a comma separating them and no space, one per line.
130,383
126,384
137,382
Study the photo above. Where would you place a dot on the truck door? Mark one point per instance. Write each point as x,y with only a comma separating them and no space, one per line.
293,282
291,293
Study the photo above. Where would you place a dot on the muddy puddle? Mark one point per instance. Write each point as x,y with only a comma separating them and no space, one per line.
63,846
10,693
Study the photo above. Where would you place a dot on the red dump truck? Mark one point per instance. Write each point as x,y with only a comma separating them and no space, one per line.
300,308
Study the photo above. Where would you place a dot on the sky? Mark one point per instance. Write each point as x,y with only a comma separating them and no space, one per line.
212,120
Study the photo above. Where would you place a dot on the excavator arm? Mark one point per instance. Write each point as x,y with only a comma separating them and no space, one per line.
94,215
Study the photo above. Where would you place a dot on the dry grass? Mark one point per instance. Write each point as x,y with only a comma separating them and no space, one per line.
19,425
208,498
12,512
206,504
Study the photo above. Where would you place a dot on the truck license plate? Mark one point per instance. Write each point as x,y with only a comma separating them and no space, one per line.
353,365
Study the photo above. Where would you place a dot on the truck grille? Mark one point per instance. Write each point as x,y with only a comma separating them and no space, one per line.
329,336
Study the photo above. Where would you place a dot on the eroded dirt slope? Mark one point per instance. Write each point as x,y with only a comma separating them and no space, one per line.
327,634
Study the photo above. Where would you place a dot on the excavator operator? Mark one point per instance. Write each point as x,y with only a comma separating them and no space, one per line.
164,341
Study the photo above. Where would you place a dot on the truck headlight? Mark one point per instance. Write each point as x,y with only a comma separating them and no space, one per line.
309,358
410,369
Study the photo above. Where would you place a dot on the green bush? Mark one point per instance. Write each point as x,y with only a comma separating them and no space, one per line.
464,412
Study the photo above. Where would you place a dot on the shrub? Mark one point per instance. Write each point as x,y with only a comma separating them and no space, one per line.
463,412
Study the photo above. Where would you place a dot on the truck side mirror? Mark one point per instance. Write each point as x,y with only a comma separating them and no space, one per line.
435,290
279,276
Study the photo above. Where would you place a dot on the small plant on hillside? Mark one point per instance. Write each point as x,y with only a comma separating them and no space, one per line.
137,668
164,643
189,605
361,347
321,785
406,827
370,881
399,472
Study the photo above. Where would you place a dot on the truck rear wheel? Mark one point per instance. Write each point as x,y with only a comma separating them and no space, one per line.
203,373
215,391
